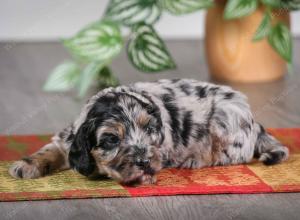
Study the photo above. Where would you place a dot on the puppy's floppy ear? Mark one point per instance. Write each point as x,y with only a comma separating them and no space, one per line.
80,157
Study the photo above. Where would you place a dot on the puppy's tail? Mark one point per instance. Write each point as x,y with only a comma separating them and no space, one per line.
267,149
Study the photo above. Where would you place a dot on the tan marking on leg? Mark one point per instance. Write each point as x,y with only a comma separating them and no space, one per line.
48,159
218,147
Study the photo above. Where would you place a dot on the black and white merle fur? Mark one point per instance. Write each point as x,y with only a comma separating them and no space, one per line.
130,133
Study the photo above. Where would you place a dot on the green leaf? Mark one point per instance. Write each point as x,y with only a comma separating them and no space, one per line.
97,42
147,51
272,3
130,12
283,4
63,77
239,8
281,40
89,75
106,78
178,7
264,28
290,5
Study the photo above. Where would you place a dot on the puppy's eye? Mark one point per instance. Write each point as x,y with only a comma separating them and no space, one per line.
112,139
109,141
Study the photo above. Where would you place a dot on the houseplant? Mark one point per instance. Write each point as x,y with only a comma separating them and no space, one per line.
230,51
97,44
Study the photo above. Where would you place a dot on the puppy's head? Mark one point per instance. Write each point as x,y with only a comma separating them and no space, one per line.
119,138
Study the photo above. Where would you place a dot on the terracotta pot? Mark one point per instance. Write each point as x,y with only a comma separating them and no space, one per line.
231,53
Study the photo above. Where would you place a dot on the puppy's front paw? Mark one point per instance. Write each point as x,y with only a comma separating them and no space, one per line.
25,169
148,179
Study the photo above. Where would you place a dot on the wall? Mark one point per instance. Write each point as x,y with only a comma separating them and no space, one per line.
49,20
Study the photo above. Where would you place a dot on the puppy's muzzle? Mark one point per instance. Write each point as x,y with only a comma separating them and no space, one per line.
140,158
142,162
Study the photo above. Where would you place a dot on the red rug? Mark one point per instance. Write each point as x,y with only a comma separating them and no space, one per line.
251,178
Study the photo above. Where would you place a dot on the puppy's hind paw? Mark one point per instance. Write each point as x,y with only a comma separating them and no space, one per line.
24,169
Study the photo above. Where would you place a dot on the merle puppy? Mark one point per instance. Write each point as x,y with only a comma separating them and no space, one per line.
130,133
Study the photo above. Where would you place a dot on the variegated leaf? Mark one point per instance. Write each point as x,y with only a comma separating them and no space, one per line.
239,8
97,42
130,12
89,75
179,7
281,40
264,28
147,51
63,77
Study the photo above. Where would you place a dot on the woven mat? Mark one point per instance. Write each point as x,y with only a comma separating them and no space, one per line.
251,178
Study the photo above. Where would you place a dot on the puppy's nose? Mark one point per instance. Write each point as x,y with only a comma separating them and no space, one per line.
142,162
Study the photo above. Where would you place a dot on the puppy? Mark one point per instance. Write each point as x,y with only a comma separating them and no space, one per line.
131,133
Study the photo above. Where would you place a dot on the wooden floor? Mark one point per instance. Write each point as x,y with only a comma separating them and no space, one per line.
26,109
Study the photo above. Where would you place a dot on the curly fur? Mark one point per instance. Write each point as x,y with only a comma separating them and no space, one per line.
130,133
